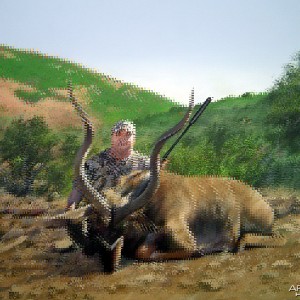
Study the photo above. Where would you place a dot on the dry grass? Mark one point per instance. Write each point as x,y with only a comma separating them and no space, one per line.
57,114
33,269
81,92
113,82
7,54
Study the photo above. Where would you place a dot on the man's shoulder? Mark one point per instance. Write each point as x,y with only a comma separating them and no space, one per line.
140,161
98,158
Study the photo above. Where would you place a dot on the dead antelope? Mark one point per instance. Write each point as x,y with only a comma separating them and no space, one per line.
174,217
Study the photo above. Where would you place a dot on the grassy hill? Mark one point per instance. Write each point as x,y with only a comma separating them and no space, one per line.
108,99
253,137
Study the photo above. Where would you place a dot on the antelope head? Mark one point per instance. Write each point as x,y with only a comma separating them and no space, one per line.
108,217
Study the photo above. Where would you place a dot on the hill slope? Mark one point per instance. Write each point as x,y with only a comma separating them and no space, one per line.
246,137
48,78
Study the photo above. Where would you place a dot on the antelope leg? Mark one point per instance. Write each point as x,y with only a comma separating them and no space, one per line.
261,241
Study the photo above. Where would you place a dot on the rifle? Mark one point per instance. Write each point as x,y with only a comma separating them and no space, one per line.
191,122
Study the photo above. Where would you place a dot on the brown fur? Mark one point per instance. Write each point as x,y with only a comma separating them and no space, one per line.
200,215
191,216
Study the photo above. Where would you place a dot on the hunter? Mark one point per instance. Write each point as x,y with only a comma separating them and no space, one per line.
104,169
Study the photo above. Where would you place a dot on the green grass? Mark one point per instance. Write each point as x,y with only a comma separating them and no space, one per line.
45,73
246,137
225,118
31,97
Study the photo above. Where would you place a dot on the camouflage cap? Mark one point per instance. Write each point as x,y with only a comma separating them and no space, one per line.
124,125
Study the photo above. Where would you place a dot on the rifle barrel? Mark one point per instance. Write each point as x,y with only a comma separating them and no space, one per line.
191,122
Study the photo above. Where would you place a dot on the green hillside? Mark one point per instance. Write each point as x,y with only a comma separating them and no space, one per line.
109,98
253,137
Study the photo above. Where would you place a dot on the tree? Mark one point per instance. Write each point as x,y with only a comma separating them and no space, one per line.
25,149
59,172
284,115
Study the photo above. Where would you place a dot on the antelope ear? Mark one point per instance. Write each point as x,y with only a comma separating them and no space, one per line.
114,197
131,182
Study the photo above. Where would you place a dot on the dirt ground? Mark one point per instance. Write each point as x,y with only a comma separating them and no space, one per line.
31,267
57,114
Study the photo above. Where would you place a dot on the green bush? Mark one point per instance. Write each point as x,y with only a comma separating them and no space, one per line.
26,149
243,159
198,160
285,108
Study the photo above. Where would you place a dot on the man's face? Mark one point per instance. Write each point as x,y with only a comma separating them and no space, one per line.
122,140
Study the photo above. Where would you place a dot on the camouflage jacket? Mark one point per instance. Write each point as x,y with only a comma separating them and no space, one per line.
104,171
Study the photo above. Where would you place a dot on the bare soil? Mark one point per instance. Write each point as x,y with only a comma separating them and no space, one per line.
57,114
31,267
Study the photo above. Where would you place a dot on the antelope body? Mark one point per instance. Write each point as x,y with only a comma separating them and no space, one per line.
200,215
174,216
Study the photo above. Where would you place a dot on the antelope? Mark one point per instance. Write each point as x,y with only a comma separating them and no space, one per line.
173,216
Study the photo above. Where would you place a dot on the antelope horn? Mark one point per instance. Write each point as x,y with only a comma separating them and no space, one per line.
99,202
122,212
